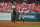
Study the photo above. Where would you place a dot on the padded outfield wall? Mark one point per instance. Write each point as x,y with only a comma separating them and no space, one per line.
27,17
30,17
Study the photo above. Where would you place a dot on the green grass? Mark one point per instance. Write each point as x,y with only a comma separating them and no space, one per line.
26,22
18,22
24,26
30,26
5,22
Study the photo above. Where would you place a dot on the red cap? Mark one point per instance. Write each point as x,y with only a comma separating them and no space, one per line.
9,2
0,2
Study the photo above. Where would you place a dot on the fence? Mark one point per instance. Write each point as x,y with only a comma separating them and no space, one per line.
27,17
5,16
30,17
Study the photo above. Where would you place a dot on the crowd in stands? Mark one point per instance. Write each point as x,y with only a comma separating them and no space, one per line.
23,7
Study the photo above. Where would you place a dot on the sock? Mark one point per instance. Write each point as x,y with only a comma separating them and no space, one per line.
17,19
23,20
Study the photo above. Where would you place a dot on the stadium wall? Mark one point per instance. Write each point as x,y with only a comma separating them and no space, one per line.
31,17
5,16
27,17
